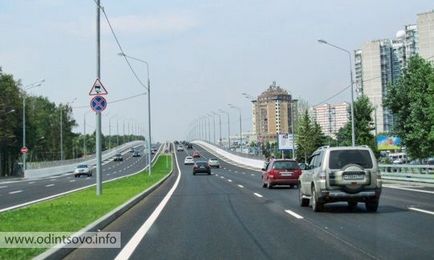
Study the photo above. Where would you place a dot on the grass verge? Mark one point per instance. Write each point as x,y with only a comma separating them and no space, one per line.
75,211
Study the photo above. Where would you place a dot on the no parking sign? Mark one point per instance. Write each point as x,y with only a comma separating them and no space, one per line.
98,103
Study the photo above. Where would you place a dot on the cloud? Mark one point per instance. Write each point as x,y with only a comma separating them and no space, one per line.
163,23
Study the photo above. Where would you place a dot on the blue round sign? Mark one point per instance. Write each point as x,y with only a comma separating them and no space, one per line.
98,103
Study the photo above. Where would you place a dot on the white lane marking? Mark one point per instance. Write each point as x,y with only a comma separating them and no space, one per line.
108,174
229,170
222,177
258,195
49,185
241,186
216,175
72,181
236,171
15,192
2,187
244,173
229,180
292,213
31,182
129,248
422,210
252,174
407,189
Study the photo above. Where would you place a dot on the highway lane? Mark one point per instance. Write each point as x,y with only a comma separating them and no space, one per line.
210,217
20,192
395,231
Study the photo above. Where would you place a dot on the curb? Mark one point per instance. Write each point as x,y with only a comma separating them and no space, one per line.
99,224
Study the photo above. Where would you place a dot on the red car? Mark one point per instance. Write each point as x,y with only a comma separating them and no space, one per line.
280,172
196,154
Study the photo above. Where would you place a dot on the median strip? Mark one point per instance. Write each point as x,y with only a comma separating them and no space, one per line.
77,210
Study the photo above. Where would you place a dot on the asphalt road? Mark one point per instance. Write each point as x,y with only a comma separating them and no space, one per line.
228,215
22,191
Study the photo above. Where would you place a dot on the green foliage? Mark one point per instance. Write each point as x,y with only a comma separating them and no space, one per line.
309,137
363,125
411,100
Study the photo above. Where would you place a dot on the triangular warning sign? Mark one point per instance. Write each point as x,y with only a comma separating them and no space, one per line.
97,89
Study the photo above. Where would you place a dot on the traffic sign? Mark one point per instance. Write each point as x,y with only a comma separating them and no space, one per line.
98,103
97,89
24,149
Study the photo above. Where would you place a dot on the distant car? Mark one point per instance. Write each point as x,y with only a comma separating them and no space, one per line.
213,162
188,160
118,157
180,148
189,146
201,167
196,154
82,169
280,172
154,150
136,154
132,150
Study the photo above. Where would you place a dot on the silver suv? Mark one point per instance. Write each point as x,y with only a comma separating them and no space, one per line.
341,174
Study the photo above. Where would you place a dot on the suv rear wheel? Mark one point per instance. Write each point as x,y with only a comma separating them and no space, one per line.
317,206
352,204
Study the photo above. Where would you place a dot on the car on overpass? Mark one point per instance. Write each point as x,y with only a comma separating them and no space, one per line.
213,163
136,154
280,172
118,157
188,160
201,167
335,174
82,169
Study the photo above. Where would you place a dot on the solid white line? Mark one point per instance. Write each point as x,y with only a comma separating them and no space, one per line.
292,213
407,189
258,195
229,180
422,210
129,248
49,185
14,192
241,186
2,187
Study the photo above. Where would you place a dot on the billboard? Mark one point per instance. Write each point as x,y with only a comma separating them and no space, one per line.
385,142
285,141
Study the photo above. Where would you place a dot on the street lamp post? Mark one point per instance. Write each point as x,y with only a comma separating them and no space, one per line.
62,157
294,101
241,130
220,127
148,88
27,87
213,122
353,135
229,127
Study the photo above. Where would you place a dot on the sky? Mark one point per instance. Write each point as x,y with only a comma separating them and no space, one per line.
202,54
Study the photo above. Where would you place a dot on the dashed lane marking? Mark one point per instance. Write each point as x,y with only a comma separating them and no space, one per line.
241,186
15,192
49,185
422,210
258,195
292,213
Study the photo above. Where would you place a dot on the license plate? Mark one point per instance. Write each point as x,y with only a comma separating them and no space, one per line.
351,177
286,174
202,167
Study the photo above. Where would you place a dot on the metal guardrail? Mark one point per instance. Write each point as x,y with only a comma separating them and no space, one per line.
246,155
406,172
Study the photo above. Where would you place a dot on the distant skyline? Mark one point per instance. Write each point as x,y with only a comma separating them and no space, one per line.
202,54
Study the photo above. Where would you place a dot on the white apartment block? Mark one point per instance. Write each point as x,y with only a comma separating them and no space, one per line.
331,118
425,28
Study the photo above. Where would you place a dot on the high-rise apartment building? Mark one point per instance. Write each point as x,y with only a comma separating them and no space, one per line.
272,113
425,28
331,118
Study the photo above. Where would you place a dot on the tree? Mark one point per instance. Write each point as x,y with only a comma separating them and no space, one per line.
411,100
309,137
363,125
